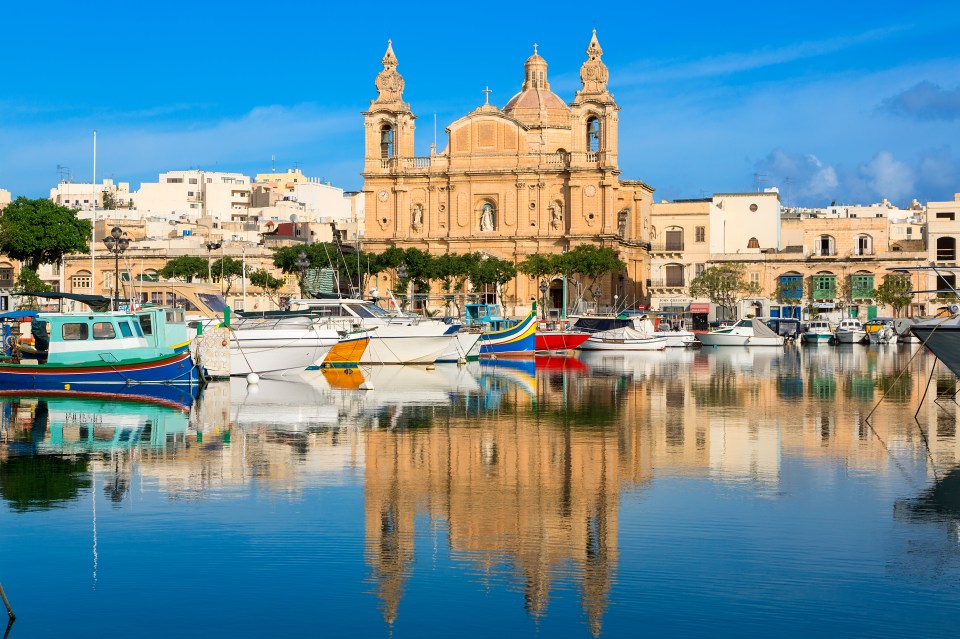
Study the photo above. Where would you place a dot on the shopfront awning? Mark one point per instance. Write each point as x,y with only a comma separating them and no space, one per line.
699,308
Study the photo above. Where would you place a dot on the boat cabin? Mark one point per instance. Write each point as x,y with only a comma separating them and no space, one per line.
850,324
487,316
72,338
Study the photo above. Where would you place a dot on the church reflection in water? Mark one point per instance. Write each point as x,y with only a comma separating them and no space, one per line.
521,466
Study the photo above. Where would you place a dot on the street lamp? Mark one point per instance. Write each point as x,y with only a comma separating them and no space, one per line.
117,242
302,263
211,247
543,297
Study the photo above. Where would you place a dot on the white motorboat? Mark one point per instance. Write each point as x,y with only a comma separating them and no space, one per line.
880,331
850,331
746,332
624,339
817,332
275,346
395,339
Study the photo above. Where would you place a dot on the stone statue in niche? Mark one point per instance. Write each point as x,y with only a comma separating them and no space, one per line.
416,218
556,215
486,217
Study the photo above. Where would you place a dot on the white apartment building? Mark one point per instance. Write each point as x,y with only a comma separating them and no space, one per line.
193,194
745,222
84,196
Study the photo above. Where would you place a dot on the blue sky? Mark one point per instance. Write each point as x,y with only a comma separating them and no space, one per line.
827,100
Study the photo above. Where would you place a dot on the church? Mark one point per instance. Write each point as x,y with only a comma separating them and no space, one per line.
537,176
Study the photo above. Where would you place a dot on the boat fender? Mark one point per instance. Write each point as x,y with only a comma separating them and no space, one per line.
224,342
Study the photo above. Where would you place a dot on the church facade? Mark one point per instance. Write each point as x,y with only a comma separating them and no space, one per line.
536,176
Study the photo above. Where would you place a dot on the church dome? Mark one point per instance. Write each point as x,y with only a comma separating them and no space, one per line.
536,103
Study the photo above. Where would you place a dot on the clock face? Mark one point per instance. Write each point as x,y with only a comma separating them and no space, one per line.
382,196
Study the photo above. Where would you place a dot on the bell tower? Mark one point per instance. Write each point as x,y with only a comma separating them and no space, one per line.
594,117
388,123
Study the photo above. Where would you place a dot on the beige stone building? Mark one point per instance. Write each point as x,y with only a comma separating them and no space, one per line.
943,229
535,176
4,198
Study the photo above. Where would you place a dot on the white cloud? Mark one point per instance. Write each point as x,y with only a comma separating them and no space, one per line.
888,177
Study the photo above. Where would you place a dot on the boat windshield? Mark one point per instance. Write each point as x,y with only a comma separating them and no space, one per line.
744,323
371,310
214,302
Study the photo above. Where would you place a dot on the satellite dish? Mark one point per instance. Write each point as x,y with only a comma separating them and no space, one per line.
293,217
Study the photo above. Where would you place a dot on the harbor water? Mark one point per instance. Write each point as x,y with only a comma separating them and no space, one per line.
714,492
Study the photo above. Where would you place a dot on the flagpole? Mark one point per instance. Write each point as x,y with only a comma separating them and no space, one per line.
93,223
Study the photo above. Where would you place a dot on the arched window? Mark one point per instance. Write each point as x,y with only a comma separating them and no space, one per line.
593,135
863,245
488,217
824,286
946,249
386,141
674,238
753,243
826,245
674,273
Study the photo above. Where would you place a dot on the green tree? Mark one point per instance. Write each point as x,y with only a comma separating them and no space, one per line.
724,285
108,201
184,268
269,284
40,232
895,291
590,263
29,282
542,268
492,271
452,270
229,270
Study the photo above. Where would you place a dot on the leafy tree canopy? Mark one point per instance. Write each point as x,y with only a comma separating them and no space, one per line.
40,232
724,285
894,291
184,268
29,282
229,271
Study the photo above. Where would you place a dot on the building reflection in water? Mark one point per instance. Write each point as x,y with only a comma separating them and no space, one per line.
523,467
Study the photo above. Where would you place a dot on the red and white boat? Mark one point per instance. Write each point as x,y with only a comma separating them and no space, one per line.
552,336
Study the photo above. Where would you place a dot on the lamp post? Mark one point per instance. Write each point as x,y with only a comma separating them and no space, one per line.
211,247
596,290
302,263
615,303
543,298
117,242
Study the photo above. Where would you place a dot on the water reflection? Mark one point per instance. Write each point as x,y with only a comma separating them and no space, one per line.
523,467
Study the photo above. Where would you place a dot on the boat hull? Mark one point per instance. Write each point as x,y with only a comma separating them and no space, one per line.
943,341
725,339
816,338
608,344
560,340
465,347
851,337
517,341
176,370
275,357
412,349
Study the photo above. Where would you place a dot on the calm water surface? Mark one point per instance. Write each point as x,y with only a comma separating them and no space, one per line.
728,492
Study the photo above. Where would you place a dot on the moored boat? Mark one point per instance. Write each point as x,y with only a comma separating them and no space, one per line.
942,336
850,331
553,337
90,352
746,332
624,339
817,332
880,331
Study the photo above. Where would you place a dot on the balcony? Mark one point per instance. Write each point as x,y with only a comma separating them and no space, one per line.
399,164
667,283
668,246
